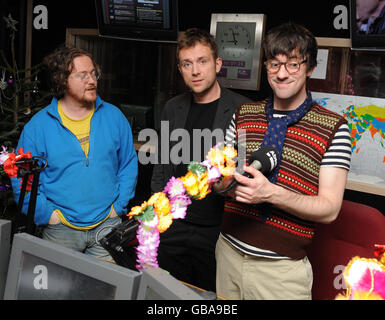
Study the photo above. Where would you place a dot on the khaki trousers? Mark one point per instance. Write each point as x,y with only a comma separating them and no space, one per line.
243,276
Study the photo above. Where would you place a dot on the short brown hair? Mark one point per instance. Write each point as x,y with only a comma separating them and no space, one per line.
288,37
60,65
192,36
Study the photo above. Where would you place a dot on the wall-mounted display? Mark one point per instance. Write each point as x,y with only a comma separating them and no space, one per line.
367,24
141,20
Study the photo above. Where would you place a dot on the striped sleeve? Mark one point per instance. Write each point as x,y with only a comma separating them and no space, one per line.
231,132
339,152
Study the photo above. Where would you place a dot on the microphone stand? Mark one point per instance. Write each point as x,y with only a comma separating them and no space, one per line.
27,167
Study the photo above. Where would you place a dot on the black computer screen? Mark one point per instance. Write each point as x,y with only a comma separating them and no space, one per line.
150,20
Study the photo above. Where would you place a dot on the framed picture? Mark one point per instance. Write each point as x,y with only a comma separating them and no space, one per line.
333,56
239,39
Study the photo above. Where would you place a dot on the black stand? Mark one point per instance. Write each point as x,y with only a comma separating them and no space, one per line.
27,167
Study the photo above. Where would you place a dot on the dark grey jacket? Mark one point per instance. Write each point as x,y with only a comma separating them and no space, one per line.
176,111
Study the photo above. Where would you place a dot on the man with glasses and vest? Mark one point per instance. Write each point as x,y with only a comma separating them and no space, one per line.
92,164
269,220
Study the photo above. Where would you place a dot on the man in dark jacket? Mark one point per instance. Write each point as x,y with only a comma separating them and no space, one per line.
187,248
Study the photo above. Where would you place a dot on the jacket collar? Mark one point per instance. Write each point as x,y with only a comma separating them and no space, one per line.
52,107
221,116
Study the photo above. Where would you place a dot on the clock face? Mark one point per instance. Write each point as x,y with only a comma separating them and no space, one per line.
234,39
239,38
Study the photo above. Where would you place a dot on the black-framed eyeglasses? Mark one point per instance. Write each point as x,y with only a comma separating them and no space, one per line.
84,76
291,66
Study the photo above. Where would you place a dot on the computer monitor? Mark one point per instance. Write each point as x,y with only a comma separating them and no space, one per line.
367,31
157,284
42,270
140,20
5,246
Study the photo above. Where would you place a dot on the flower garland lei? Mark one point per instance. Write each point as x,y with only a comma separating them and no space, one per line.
365,278
155,215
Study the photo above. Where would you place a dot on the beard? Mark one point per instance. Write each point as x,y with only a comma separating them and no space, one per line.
86,97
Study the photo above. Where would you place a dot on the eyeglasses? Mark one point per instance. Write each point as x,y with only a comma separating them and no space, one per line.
291,66
85,76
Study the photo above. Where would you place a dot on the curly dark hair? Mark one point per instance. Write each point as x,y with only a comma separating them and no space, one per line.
60,65
288,37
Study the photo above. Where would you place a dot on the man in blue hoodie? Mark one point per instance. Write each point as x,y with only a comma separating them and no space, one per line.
92,163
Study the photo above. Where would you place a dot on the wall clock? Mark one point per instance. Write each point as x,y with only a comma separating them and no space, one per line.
239,38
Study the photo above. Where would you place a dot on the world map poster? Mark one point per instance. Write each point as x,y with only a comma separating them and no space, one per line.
366,120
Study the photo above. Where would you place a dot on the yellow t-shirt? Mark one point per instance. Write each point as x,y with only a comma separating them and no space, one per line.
80,128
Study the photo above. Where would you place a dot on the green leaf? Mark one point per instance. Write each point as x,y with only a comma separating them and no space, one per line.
196,168
147,215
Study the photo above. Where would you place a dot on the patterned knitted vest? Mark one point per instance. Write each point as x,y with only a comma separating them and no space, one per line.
265,226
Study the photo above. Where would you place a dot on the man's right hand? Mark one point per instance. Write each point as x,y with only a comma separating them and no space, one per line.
54,219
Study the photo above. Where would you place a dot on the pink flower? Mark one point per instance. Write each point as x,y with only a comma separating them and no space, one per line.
147,250
174,187
3,155
179,206
152,223
213,172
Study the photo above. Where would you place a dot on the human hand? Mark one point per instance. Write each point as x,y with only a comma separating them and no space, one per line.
256,189
54,219
113,213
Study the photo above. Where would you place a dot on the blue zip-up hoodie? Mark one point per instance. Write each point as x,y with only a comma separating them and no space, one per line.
82,189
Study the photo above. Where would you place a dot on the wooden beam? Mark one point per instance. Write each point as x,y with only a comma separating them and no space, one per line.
333,42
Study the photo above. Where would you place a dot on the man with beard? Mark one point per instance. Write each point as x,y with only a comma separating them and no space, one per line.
92,164
187,248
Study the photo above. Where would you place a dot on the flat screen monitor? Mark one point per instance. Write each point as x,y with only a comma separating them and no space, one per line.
157,284
5,246
367,24
42,270
144,20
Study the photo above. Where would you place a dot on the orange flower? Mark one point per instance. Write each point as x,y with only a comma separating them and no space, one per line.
190,182
135,211
153,198
164,223
228,170
229,152
162,206
223,159
216,157
203,185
